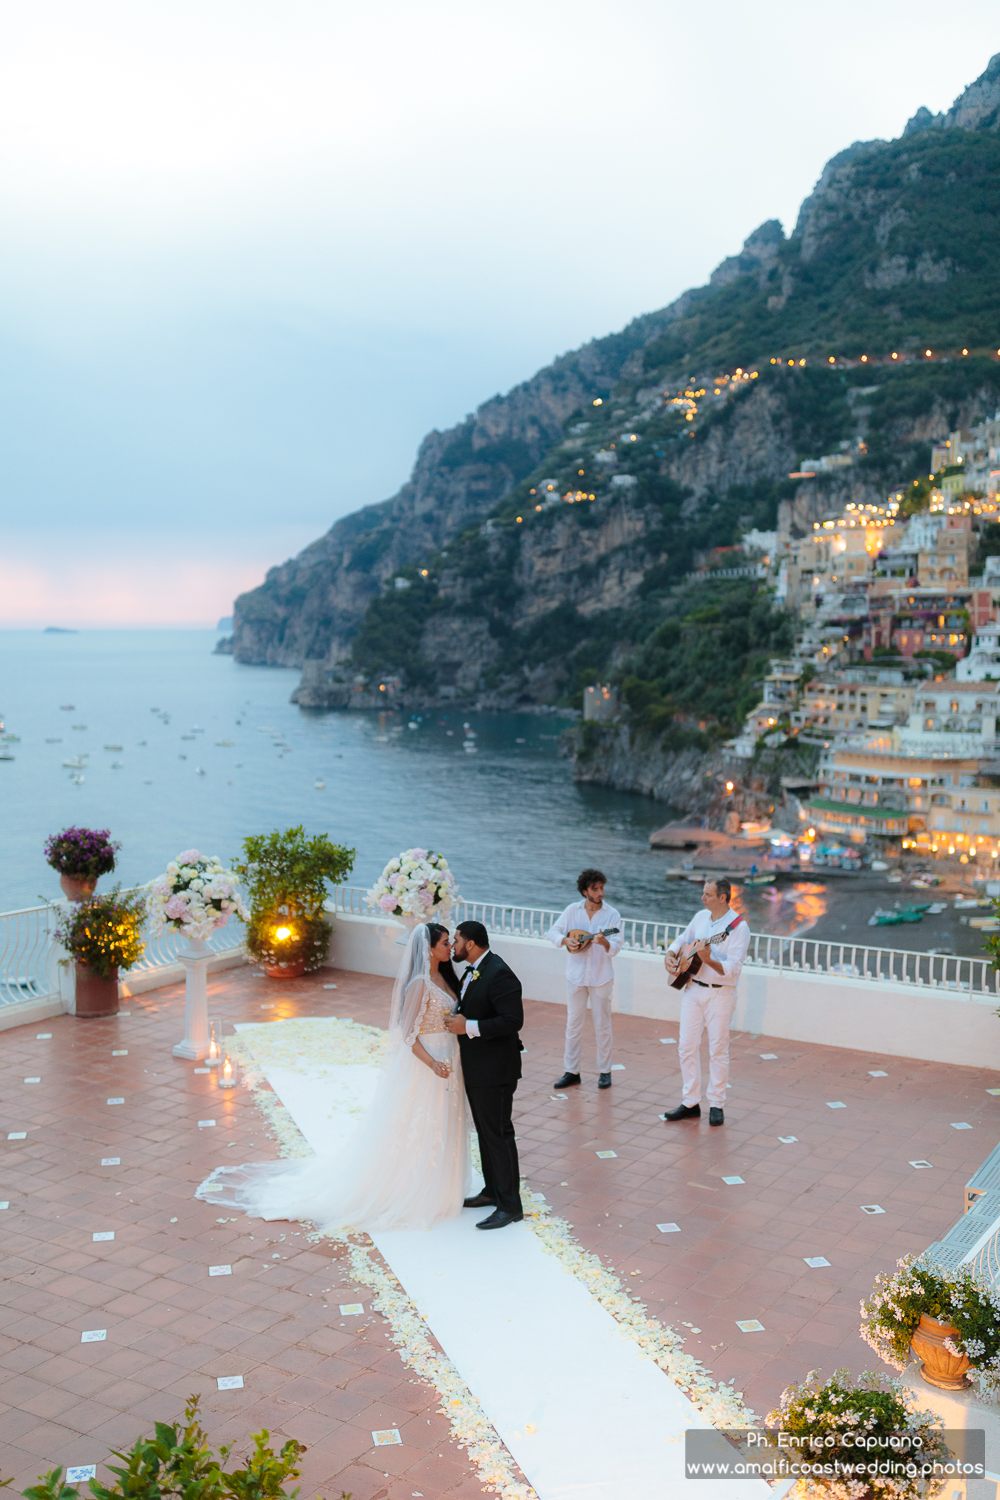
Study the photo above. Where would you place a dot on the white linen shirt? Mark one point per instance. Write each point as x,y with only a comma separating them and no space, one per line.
730,953
591,966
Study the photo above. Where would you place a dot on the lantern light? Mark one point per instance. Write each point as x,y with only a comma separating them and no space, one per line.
228,1079
282,934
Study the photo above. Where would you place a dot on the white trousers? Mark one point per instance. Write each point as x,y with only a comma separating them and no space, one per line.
599,996
701,1009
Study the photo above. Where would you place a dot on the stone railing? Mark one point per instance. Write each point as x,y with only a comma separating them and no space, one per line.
30,955
795,955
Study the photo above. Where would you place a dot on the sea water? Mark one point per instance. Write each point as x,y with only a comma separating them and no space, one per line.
179,748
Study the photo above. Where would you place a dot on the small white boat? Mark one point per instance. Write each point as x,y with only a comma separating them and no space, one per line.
117,765
225,742
198,771
77,780
76,764
320,786
113,747
6,755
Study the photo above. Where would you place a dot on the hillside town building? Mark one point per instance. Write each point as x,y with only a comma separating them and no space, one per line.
896,672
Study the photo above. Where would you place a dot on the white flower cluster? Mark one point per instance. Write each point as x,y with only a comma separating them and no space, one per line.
195,895
892,1311
417,883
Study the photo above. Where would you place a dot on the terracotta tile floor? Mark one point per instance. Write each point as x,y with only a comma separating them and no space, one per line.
329,1381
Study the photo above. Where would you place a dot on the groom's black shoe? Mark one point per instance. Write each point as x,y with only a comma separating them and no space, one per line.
604,1081
566,1081
480,1201
498,1219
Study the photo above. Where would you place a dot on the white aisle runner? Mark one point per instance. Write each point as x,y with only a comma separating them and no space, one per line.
530,1342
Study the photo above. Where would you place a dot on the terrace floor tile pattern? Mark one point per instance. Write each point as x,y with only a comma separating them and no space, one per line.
330,1381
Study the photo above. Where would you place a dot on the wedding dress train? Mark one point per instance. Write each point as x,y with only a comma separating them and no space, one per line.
407,1165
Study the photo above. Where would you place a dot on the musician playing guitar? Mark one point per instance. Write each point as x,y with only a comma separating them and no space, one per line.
590,931
719,938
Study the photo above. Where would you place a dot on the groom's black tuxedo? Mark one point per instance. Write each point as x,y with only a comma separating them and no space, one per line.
491,1066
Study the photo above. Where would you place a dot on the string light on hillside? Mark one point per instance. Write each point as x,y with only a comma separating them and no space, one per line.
895,356
599,402
831,360
864,359
927,354
965,351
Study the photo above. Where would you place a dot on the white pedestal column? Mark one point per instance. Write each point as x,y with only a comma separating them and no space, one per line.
195,961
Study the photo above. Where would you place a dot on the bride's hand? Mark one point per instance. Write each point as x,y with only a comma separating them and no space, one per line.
442,1070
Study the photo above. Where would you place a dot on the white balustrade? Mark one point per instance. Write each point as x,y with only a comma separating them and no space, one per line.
29,954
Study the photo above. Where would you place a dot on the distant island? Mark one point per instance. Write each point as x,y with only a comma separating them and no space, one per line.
58,630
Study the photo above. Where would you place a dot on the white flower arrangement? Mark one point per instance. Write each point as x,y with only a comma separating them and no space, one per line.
195,896
417,883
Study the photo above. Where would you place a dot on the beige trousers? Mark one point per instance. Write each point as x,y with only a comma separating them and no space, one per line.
705,1010
599,997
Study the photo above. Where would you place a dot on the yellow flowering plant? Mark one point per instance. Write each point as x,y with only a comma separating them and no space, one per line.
103,932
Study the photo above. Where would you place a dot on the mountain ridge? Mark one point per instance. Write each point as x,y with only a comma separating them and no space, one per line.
459,587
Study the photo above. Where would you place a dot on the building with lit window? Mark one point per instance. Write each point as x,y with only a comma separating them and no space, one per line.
855,700
928,804
906,621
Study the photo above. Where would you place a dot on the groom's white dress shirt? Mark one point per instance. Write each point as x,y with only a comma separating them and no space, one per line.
471,1027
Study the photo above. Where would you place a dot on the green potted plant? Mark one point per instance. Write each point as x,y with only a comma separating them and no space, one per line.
102,936
949,1319
179,1460
835,1431
286,876
82,856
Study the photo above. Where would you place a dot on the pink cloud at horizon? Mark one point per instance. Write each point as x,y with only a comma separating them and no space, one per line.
159,589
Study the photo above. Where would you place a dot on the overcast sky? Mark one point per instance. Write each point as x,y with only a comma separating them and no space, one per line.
250,253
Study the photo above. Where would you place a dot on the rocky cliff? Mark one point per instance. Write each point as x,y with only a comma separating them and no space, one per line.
548,538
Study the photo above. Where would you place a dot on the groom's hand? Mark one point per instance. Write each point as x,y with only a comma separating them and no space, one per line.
455,1024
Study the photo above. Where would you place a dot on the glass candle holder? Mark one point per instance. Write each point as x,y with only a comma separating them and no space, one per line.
228,1078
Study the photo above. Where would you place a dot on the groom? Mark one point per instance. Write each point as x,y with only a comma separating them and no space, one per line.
489,1017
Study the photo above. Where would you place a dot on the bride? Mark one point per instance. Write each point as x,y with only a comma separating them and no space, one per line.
407,1165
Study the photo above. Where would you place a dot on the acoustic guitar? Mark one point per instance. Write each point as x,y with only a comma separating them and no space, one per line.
581,938
690,962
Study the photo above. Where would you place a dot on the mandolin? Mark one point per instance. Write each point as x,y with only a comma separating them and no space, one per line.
581,938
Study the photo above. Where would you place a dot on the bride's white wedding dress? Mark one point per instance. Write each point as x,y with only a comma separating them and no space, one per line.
407,1164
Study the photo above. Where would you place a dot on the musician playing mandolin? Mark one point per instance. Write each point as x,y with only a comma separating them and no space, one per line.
590,931
719,937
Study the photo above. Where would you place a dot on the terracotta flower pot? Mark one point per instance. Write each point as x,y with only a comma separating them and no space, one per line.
286,971
96,996
939,1367
78,887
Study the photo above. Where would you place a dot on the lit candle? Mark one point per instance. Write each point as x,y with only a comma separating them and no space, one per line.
213,1054
227,1081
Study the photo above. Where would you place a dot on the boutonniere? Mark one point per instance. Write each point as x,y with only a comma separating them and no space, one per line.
475,976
